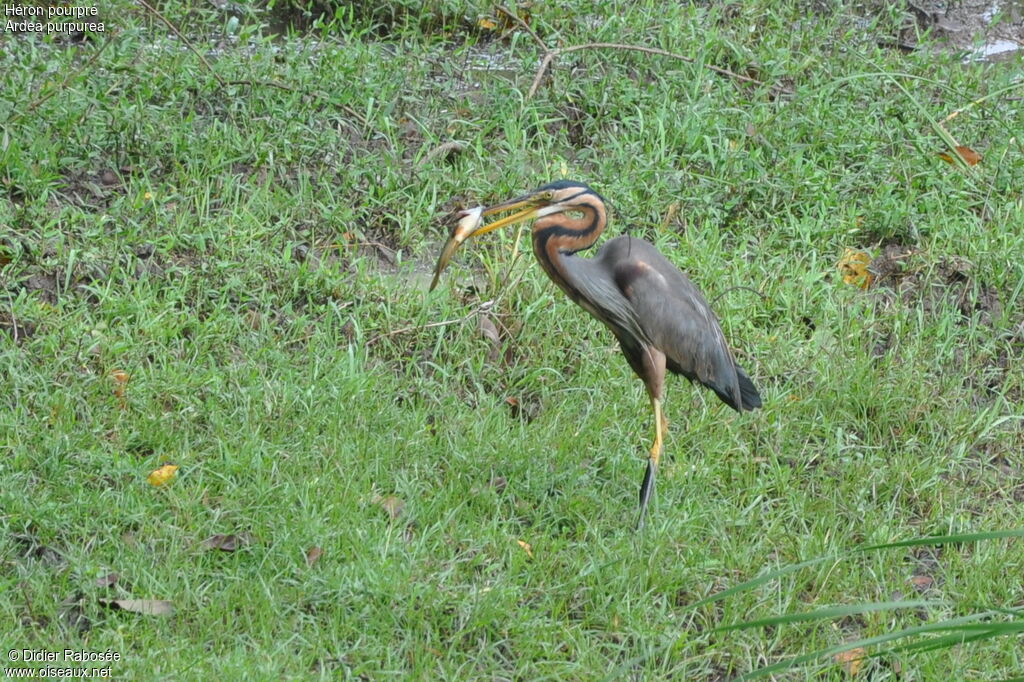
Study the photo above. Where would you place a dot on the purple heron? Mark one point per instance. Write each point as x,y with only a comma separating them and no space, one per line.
661,320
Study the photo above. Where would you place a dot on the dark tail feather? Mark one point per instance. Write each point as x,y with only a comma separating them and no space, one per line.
748,391
749,397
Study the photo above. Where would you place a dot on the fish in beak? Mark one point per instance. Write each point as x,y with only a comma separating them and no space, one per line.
525,207
462,231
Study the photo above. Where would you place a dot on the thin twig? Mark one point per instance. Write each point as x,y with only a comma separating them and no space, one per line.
319,95
378,245
347,109
551,54
183,39
981,100
269,84
67,79
444,149
516,18
763,296
482,308
485,307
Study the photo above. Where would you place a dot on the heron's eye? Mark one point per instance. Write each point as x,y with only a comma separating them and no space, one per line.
548,196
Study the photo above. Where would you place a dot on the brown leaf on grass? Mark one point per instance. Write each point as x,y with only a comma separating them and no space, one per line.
313,555
391,504
966,154
120,378
526,548
670,214
853,267
148,607
109,580
526,408
487,24
922,582
852,660
490,332
227,543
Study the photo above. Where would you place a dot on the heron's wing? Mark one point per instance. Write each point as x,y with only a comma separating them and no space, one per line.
677,320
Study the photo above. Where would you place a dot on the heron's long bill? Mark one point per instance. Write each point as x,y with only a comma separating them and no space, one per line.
469,226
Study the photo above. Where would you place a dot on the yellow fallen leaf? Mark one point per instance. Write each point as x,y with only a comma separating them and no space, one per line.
852,660
163,475
487,24
526,547
853,266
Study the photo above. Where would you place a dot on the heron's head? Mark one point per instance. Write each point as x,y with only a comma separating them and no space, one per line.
563,196
557,197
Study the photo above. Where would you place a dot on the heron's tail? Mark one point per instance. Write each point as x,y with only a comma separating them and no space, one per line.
748,391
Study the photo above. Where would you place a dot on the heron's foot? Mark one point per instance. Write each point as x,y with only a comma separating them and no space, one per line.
646,490
647,487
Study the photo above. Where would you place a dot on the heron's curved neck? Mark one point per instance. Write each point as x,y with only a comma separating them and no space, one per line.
558,236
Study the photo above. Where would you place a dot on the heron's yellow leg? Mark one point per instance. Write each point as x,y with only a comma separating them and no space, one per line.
660,426
647,487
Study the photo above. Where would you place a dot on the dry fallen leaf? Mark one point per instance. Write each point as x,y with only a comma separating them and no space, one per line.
109,580
490,332
922,582
852,660
487,24
149,607
120,378
488,329
526,547
853,267
670,215
227,543
966,154
391,504
163,475
313,555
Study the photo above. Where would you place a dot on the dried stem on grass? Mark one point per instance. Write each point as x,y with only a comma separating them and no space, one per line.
550,54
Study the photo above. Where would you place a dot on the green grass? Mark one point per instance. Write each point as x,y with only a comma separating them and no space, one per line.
256,259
